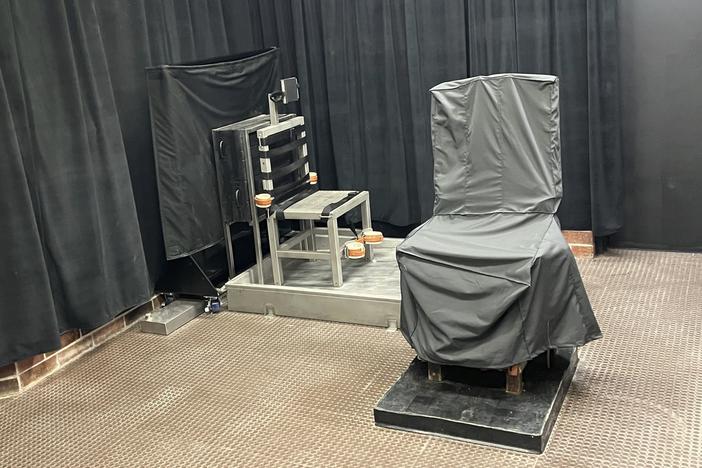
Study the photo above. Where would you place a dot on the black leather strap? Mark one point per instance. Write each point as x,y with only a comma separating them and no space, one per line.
284,149
284,191
328,209
279,208
284,170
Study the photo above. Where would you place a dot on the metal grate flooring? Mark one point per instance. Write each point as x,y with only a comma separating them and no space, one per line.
248,390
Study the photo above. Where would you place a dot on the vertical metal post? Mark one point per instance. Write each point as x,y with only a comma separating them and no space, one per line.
334,252
272,110
230,250
305,244
251,186
274,243
312,239
366,223
313,236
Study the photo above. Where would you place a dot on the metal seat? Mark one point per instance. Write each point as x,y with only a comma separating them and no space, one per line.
323,205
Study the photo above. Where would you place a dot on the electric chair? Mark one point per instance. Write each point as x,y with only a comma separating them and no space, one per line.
280,186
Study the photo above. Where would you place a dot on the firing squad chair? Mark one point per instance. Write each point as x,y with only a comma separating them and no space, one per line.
489,281
286,189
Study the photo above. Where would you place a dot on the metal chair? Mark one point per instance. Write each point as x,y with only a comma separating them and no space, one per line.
288,191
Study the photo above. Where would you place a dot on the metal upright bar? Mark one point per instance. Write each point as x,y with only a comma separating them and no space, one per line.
366,223
230,250
305,245
272,110
274,244
251,186
334,251
313,238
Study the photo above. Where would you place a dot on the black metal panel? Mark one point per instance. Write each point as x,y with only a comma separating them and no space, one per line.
184,276
186,102
230,144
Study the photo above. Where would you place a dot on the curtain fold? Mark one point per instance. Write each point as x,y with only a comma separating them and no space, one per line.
604,124
23,269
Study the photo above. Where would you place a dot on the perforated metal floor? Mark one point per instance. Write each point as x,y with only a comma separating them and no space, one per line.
249,390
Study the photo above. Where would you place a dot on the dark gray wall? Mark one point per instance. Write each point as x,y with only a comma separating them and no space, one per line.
661,77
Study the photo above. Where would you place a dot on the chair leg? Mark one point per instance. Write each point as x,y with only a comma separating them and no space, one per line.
366,224
312,239
334,252
434,372
273,243
514,384
305,244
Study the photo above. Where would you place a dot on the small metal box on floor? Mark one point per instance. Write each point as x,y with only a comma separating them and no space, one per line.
168,319
370,294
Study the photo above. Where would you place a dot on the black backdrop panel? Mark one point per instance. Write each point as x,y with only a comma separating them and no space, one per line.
661,124
187,101
366,68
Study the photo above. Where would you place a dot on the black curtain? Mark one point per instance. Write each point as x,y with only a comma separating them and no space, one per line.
76,256
366,67
80,235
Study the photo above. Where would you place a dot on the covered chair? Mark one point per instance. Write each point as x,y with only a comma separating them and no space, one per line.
489,281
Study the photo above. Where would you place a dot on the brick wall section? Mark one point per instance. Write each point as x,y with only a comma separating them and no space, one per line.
582,243
20,375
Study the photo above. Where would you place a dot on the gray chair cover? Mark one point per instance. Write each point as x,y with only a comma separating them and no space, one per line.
489,281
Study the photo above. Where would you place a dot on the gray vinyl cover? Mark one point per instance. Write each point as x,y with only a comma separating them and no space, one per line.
489,281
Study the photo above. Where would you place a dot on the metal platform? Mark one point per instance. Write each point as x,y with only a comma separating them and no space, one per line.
370,294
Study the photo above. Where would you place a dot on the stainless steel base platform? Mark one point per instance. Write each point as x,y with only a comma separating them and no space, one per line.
370,294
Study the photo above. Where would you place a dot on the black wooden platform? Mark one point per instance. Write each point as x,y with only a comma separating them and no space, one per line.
472,404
